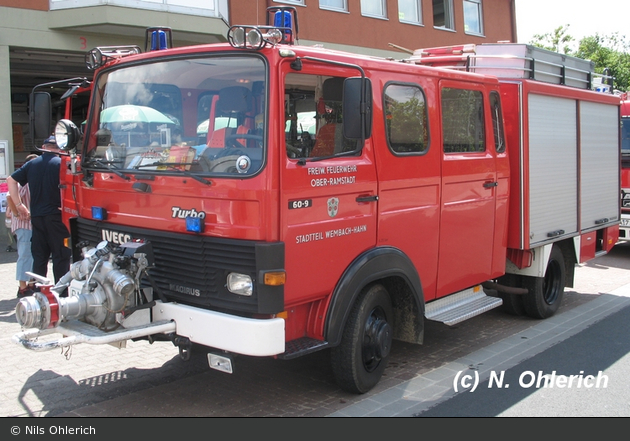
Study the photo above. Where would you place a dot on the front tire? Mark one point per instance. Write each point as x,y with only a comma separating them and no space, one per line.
361,357
545,293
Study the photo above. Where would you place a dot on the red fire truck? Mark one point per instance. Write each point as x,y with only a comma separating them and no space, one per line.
624,230
263,198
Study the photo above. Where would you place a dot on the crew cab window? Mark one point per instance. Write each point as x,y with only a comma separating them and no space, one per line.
497,122
314,117
462,121
406,118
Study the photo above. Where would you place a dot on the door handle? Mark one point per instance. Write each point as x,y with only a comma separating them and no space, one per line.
372,198
490,184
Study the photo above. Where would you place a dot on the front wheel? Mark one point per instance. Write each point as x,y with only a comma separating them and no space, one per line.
545,293
360,359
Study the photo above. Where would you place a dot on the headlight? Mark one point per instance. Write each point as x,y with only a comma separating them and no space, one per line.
66,134
240,284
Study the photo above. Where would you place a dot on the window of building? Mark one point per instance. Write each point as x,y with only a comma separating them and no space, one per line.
336,5
443,14
497,122
294,2
410,11
202,8
406,118
374,8
473,17
462,121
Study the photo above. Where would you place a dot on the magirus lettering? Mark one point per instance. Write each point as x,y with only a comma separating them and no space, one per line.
180,213
184,290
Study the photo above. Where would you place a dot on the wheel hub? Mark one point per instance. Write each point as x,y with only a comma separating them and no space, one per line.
377,341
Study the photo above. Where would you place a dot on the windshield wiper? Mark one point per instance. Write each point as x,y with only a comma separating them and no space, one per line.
107,165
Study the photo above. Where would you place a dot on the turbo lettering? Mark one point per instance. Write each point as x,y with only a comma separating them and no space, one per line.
180,213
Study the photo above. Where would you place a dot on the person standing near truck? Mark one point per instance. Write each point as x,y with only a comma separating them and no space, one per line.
21,228
49,232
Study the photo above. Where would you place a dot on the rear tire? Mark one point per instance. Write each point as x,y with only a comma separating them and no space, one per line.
545,293
512,303
361,357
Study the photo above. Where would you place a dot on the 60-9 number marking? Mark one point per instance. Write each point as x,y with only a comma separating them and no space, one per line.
302,203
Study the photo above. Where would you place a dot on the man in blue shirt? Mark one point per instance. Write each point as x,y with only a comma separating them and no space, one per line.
49,231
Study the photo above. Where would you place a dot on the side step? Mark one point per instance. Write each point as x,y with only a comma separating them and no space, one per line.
461,306
301,346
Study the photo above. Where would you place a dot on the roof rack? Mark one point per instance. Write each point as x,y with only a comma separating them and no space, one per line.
511,60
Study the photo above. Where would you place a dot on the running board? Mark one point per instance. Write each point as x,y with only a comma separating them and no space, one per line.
461,306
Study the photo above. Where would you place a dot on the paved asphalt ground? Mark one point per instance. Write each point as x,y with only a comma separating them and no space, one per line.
146,380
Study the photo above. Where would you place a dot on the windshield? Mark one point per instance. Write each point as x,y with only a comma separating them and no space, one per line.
200,115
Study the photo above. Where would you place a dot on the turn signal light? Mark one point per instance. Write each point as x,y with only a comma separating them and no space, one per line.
275,278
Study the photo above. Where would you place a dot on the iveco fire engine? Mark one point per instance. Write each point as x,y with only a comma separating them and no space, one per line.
263,198
624,230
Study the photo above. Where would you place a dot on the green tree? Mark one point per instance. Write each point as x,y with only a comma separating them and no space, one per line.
557,41
610,52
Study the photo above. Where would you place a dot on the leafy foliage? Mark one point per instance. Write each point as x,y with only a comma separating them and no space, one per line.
557,41
610,52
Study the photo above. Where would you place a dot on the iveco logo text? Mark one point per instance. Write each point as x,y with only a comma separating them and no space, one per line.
180,213
184,290
115,237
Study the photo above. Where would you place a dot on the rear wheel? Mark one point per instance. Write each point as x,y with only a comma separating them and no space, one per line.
545,293
360,359
512,303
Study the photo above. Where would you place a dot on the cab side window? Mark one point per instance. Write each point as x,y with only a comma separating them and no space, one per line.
406,119
497,122
463,127
314,117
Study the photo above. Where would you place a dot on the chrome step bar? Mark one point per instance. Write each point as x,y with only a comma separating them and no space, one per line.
461,306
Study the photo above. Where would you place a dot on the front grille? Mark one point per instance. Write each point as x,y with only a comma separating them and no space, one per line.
192,269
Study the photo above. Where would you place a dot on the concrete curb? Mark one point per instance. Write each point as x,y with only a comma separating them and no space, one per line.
423,392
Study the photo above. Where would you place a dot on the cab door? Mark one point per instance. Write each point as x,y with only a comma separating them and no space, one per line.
468,188
328,188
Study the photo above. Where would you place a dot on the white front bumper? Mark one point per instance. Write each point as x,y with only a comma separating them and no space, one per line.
257,337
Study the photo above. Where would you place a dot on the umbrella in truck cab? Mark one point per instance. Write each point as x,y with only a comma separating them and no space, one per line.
130,113
134,123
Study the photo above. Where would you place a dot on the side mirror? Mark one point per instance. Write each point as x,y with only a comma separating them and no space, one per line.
40,116
357,108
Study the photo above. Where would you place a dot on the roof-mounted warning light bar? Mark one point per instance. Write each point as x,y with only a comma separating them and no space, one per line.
281,28
98,56
158,37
